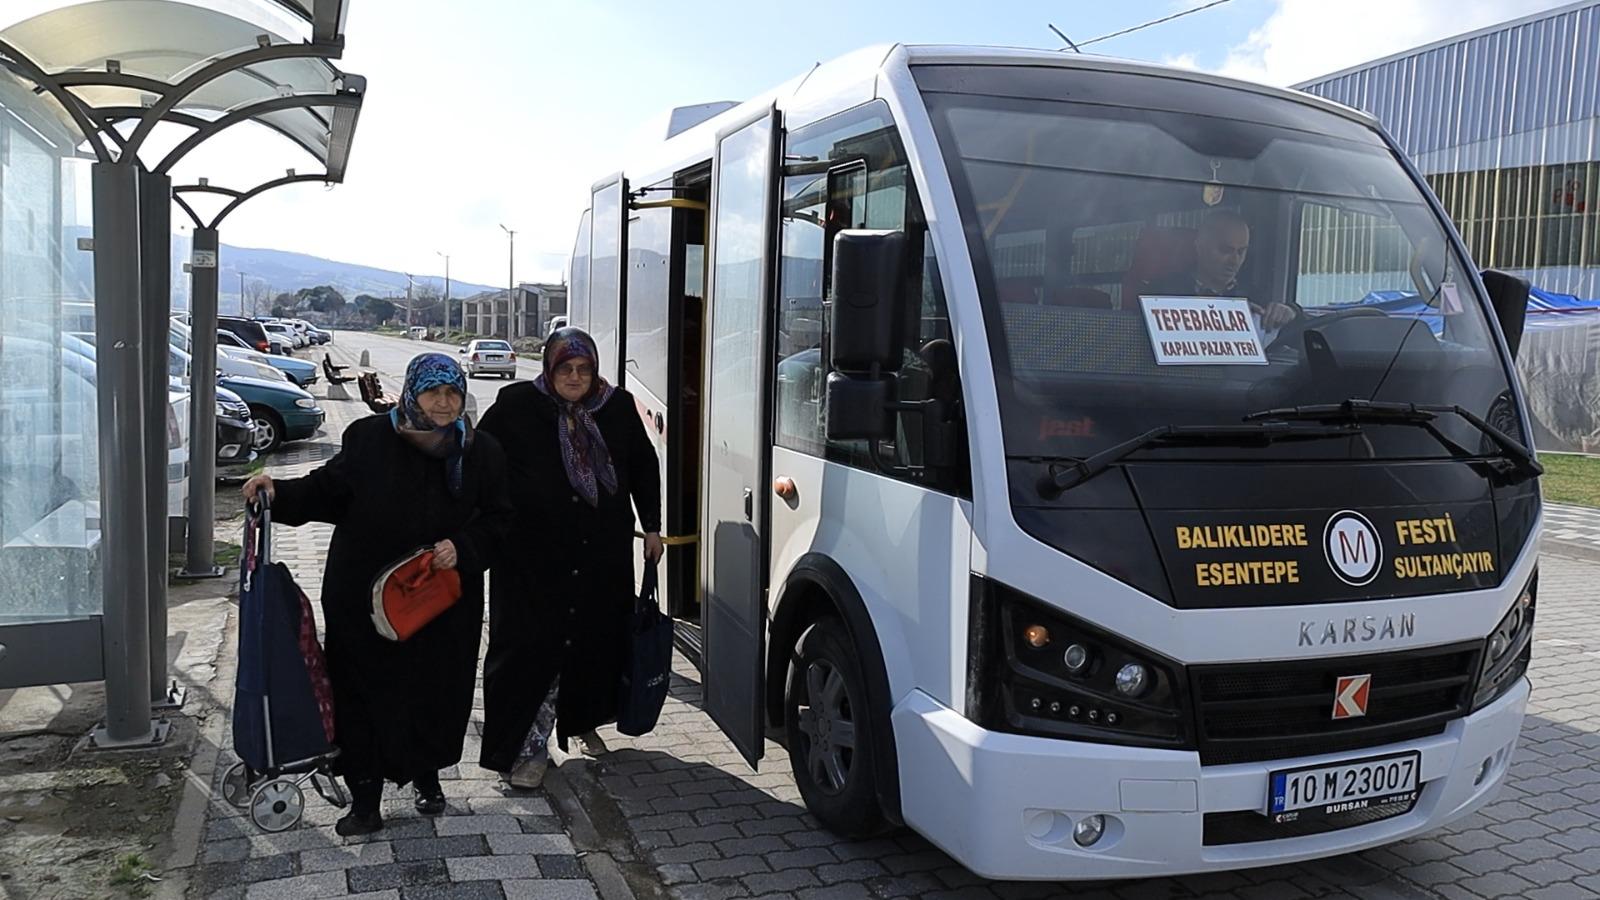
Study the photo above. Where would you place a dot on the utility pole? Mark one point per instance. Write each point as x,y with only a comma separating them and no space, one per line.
242,311
511,276
446,292
409,280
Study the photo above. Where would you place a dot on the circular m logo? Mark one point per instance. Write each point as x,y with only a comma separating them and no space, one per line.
1352,547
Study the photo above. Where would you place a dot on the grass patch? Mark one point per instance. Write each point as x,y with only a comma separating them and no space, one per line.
133,874
1569,478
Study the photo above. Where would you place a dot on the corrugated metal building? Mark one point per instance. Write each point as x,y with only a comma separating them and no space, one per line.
1505,124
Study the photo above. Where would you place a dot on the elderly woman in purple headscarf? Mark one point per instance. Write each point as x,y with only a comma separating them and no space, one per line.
582,467
418,477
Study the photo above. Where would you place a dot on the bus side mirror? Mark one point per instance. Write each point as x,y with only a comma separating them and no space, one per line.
858,407
1509,296
868,276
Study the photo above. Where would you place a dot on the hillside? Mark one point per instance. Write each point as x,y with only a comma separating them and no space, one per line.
282,271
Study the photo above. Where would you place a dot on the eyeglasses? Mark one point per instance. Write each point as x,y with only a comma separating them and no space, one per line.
575,367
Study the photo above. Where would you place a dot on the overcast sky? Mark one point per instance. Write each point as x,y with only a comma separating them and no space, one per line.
483,112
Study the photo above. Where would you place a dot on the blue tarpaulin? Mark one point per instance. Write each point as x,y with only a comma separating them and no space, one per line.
1558,362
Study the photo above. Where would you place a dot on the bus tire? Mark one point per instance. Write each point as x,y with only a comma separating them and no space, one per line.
830,744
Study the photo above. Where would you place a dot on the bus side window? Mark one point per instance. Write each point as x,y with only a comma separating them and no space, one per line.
879,195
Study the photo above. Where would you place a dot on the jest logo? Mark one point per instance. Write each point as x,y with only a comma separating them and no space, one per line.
1352,547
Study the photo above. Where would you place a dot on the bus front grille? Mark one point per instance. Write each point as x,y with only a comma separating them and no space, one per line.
1282,710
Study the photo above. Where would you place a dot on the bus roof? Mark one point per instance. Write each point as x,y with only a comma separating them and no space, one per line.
852,79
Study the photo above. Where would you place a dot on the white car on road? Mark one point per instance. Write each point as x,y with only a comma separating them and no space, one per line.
490,357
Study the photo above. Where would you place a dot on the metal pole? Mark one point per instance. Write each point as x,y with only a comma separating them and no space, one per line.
155,313
447,293
119,385
200,558
511,277
242,310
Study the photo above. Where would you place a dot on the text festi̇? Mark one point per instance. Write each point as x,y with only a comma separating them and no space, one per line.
1432,532
1245,573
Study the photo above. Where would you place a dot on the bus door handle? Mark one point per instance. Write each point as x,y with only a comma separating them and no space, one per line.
749,505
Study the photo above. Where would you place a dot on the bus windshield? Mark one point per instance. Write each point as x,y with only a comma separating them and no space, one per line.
1144,267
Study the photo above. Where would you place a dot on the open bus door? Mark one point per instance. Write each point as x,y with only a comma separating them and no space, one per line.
608,268
733,554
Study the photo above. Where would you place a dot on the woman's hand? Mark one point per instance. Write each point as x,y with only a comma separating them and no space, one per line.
653,547
257,485
444,555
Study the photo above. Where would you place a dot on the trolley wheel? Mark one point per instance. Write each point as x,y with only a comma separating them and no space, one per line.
277,805
236,786
329,789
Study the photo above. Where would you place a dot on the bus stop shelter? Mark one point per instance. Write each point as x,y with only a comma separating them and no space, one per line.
114,95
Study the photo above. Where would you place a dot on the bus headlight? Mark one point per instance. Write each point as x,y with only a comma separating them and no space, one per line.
1508,649
1083,683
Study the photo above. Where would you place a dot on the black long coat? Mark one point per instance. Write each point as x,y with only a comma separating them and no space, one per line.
559,595
401,708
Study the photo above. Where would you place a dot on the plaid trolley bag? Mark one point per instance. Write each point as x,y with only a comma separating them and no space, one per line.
282,702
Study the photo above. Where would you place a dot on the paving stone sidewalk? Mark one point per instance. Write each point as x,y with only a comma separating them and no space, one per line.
712,829
492,844
1572,525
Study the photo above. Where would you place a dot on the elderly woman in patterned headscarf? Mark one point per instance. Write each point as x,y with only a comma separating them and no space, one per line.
582,467
418,477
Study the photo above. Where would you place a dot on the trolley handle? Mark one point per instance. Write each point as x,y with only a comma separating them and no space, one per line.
257,536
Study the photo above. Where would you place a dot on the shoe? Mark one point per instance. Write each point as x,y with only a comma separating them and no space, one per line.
429,799
592,744
354,824
529,775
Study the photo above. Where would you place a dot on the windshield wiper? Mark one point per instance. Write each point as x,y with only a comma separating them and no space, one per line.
1355,411
1063,477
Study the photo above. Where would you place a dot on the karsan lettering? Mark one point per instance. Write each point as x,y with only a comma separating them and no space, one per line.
1230,574
1357,630
1440,530
1202,320
1228,537
1444,565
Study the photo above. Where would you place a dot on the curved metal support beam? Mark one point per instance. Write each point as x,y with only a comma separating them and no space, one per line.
249,113
217,68
260,189
91,78
68,101
238,197
122,113
184,205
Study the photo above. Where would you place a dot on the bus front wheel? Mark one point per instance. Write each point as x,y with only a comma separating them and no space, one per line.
826,717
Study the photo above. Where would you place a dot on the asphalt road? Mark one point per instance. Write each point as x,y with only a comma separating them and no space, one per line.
390,355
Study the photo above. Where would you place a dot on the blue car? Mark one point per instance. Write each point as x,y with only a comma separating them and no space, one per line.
282,412
303,374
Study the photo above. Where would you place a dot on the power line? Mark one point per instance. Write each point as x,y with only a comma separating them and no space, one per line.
1106,37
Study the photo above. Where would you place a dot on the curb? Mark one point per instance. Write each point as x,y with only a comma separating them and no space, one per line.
189,825
600,833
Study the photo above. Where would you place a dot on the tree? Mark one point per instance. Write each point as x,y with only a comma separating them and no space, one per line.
381,311
286,301
324,298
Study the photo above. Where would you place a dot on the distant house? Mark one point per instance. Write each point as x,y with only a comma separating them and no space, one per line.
529,315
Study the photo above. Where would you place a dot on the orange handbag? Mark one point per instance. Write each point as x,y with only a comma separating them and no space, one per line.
411,593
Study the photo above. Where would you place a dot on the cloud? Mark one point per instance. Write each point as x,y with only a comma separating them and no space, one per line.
1303,39
1182,61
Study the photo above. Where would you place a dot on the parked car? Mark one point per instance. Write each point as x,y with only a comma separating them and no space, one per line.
281,344
321,335
556,322
490,357
298,371
281,412
287,332
251,332
228,363
417,333
236,430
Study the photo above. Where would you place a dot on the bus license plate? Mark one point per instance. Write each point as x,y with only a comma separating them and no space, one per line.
1343,787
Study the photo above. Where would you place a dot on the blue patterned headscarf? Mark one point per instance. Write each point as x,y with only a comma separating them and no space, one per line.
450,443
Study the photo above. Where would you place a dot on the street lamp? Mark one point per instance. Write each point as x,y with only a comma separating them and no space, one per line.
511,276
409,281
446,292
242,311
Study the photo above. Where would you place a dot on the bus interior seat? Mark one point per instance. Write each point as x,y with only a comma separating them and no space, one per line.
1160,252
1018,290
